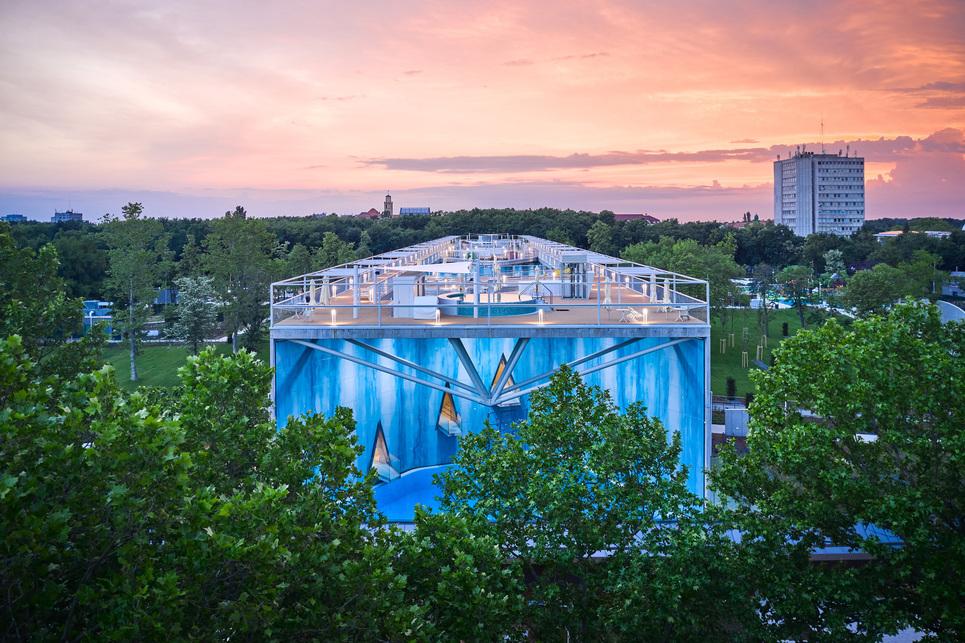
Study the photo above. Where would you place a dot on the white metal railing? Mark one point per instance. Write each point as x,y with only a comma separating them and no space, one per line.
512,281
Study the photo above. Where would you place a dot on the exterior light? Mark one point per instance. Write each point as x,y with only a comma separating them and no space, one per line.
334,316
540,313
438,316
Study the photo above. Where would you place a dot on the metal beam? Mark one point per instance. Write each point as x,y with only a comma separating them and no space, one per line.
514,394
466,360
388,371
575,363
409,364
518,349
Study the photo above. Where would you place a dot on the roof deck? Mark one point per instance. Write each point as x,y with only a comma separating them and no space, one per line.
489,285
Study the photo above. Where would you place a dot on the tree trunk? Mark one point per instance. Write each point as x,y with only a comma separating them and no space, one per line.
800,311
131,330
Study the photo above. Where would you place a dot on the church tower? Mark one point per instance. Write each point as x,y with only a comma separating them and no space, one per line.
387,210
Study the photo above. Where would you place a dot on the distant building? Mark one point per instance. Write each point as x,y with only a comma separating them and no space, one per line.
69,215
745,221
372,213
403,211
388,205
891,234
819,193
14,218
633,217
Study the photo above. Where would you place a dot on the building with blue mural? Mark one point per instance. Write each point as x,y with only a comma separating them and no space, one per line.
427,343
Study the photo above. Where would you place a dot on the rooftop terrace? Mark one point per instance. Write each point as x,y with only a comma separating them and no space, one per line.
490,285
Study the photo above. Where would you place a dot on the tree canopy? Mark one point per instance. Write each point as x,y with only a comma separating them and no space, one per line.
856,441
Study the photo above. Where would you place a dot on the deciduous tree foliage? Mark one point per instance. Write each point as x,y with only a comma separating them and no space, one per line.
578,498
712,263
196,314
859,428
34,306
239,258
138,247
202,520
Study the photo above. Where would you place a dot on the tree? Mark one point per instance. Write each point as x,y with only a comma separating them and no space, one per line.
579,478
196,315
873,292
191,263
239,258
796,283
600,238
714,263
860,428
764,278
333,252
34,306
923,280
138,246
365,242
123,520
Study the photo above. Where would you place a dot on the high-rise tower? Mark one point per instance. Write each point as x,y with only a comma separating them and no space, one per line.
819,193
387,210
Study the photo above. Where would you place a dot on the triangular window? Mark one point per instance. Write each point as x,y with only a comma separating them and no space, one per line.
509,381
384,463
449,421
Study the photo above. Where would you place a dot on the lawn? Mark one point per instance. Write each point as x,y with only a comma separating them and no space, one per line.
728,363
158,365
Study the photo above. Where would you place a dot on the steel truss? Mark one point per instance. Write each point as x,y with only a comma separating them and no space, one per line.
478,391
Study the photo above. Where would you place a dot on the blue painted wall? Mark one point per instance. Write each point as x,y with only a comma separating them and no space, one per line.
669,382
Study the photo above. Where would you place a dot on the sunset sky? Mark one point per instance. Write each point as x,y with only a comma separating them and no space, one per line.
672,108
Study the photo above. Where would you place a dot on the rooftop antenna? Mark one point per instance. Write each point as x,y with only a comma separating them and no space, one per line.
822,136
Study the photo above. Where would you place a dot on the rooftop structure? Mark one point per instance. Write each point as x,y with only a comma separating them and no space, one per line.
404,211
428,342
819,193
69,215
892,234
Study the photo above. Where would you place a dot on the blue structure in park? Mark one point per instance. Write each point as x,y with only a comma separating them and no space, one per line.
426,343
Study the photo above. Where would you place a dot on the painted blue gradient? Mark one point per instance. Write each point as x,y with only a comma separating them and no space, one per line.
669,382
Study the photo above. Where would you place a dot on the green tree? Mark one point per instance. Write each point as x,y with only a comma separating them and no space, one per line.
34,306
923,279
600,238
834,264
124,521
239,258
857,429
333,252
196,314
191,263
138,250
364,246
873,292
796,284
299,261
83,263
715,264
764,280
576,479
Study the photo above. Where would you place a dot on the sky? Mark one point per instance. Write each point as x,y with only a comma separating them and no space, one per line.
676,109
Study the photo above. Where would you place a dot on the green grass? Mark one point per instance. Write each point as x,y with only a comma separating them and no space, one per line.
729,363
158,365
